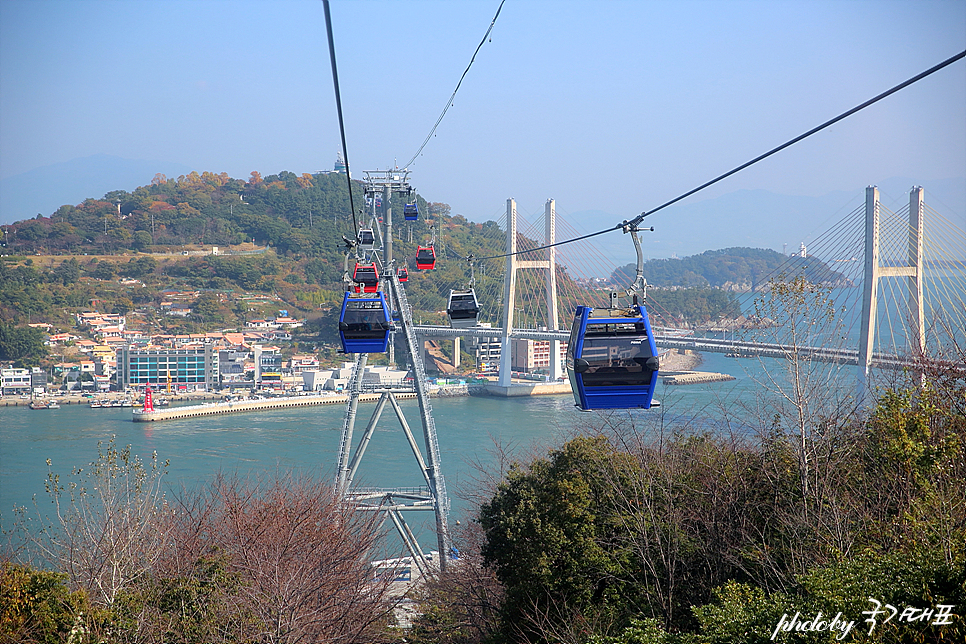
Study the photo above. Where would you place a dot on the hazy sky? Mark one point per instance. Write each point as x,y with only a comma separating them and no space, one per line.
610,105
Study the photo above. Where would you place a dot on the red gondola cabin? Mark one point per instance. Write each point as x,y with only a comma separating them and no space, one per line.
426,258
366,275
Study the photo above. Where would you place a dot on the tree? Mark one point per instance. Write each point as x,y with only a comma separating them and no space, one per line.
289,560
67,272
141,240
21,344
105,271
807,412
139,267
123,306
37,606
549,532
463,605
208,308
111,519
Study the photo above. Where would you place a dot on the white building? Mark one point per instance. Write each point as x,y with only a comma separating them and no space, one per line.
15,381
531,355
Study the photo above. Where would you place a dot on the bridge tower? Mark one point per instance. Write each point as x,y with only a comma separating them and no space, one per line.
874,271
513,264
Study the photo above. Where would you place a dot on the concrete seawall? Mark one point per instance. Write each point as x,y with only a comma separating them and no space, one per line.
521,389
214,409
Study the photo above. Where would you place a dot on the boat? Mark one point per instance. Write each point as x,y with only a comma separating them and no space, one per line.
162,402
96,404
40,404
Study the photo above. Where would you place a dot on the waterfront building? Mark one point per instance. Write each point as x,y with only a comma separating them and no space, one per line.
231,366
185,369
338,379
306,362
268,366
488,355
531,355
15,381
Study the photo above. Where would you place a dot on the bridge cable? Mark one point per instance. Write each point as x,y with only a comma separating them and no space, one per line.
638,219
338,107
449,103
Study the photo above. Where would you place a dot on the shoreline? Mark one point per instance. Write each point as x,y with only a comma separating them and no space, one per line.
675,361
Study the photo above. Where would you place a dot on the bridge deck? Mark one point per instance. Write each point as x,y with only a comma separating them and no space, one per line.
678,339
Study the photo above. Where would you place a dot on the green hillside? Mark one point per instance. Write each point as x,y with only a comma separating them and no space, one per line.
732,268
124,252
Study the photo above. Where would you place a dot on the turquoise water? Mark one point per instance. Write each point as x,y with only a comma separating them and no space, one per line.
307,439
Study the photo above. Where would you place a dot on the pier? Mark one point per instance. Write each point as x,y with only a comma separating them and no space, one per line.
238,406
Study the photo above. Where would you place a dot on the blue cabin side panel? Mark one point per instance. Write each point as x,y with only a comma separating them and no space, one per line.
635,396
365,331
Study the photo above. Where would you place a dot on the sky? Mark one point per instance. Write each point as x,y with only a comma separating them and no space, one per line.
611,106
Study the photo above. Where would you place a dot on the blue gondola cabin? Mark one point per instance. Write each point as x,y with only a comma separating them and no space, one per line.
364,323
612,359
411,212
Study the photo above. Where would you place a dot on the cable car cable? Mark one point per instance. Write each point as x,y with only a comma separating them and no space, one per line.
338,107
814,130
449,103
638,219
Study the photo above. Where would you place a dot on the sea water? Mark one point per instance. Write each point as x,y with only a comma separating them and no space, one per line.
475,435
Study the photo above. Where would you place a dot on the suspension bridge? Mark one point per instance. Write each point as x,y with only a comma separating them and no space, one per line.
880,289
897,275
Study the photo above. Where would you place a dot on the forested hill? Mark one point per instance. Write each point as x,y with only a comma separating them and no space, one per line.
121,254
729,268
286,211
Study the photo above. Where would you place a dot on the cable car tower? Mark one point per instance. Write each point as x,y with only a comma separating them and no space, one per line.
380,187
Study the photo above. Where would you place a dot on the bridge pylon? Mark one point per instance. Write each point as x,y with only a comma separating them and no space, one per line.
513,264
874,271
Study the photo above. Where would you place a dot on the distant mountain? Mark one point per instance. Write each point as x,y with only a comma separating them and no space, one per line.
44,190
733,269
762,219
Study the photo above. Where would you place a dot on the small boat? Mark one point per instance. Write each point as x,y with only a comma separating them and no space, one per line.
126,403
162,402
116,403
96,404
40,404
53,404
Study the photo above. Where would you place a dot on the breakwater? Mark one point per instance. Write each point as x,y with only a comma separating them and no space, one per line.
239,406
694,377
